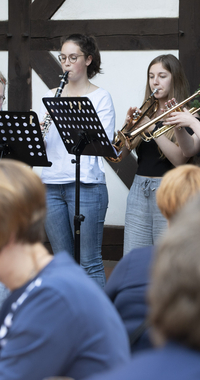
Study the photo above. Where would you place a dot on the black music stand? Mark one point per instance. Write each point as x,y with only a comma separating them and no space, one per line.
82,134
21,138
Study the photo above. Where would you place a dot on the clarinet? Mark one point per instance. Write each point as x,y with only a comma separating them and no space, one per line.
47,119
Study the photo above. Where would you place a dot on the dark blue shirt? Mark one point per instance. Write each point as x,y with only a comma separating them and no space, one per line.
171,362
127,286
60,324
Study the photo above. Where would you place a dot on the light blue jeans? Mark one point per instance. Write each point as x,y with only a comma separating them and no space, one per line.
144,223
59,223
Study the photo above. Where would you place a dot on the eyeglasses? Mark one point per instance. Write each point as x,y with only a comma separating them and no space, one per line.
72,57
2,98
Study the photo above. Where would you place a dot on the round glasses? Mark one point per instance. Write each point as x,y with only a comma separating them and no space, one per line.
72,57
2,98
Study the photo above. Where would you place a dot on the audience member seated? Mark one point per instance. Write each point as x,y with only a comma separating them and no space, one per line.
174,301
56,321
127,284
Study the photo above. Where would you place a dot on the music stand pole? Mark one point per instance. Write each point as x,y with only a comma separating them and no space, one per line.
78,218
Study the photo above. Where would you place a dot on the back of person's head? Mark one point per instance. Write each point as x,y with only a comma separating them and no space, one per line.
177,187
22,203
174,294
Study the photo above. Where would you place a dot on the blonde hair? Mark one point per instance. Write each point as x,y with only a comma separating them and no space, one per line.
22,203
177,187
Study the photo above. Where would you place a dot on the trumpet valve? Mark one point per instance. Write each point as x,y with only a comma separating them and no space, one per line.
136,115
172,103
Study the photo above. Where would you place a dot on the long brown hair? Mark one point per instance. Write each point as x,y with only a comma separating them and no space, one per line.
179,86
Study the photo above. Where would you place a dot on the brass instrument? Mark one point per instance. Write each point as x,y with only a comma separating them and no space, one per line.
165,128
122,136
47,119
126,137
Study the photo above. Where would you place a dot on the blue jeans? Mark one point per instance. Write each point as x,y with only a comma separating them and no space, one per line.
59,223
144,223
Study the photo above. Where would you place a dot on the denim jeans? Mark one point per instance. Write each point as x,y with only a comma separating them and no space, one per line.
59,223
144,223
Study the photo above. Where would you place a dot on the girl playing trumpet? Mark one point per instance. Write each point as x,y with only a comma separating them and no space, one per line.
144,222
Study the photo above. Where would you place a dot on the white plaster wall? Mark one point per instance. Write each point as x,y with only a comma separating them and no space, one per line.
4,54
116,9
4,70
4,10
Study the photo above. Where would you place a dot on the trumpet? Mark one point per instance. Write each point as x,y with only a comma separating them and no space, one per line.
122,136
165,128
126,137
137,117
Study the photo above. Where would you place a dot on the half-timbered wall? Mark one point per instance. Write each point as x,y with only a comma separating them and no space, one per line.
129,34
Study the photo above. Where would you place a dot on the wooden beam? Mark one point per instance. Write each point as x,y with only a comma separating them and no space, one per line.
125,169
4,35
112,245
189,41
19,70
141,34
47,67
45,9
3,28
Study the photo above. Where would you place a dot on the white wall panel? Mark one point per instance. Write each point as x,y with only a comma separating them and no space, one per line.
116,9
4,70
4,10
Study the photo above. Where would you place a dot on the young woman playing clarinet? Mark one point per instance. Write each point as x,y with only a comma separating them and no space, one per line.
81,58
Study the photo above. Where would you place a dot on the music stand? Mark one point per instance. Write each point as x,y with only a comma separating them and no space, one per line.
21,138
82,134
